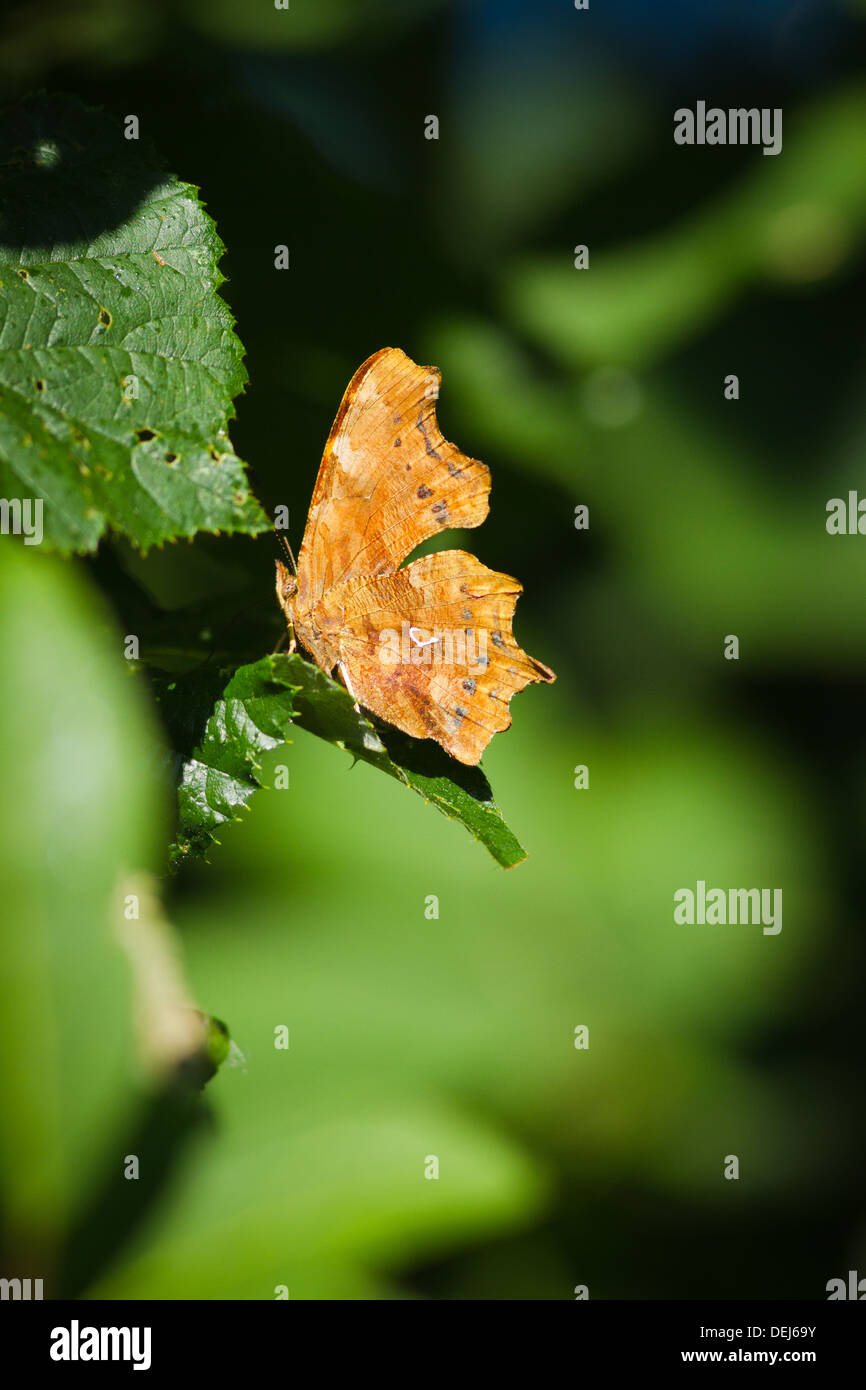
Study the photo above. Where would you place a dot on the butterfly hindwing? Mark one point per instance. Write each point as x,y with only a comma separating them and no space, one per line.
430,649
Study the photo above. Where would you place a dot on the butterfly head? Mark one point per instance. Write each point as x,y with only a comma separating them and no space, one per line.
287,588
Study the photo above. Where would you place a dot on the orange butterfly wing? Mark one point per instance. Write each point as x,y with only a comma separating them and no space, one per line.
388,481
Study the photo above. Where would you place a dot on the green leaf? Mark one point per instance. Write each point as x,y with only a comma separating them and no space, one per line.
463,793
108,288
323,1197
79,810
241,717
251,714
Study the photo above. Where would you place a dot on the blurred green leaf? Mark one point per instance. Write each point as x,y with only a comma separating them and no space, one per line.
672,492
118,359
794,218
399,1027
253,710
484,1002
314,1204
78,811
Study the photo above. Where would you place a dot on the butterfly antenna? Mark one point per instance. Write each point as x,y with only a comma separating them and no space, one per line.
287,550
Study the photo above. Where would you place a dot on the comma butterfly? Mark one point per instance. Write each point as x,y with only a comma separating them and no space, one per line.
428,647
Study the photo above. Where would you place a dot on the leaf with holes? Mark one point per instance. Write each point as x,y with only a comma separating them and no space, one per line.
118,359
222,726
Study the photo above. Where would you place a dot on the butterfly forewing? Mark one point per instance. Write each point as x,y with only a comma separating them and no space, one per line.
388,480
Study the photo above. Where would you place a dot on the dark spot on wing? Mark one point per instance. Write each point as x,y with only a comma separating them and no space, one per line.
397,443
424,491
467,613
496,639
440,510
421,425
470,685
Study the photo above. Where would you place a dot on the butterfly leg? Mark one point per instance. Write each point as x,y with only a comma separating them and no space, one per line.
292,647
344,676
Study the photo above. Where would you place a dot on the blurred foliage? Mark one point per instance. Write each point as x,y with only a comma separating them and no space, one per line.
308,24
794,219
68,823
454,1037
93,1008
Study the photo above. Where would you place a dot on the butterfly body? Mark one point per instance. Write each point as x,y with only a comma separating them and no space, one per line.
427,647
